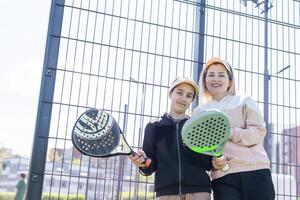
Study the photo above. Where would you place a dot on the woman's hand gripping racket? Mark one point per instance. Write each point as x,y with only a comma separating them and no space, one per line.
96,133
207,133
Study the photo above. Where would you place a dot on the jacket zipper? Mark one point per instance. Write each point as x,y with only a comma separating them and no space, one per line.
179,157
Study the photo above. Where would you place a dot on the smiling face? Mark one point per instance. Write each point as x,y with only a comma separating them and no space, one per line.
217,81
181,98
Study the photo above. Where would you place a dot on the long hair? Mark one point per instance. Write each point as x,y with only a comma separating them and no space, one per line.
204,94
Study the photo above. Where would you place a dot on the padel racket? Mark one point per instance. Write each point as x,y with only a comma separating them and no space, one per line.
207,133
96,133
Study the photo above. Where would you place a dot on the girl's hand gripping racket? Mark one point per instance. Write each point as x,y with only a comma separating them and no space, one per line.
96,133
207,133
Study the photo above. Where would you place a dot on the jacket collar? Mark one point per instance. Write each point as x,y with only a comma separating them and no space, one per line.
166,119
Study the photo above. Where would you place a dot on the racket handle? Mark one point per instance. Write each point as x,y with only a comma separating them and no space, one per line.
147,161
225,167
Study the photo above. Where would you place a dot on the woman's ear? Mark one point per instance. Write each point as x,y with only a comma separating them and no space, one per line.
230,84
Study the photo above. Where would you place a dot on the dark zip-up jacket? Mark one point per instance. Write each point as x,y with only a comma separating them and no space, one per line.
177,170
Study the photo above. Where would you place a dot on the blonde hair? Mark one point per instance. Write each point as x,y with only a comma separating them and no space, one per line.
204,94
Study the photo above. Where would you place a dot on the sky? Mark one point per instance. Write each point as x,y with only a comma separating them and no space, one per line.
23,32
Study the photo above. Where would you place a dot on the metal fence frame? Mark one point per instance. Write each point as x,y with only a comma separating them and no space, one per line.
47,90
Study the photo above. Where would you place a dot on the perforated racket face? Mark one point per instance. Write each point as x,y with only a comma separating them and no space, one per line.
206,132
96,133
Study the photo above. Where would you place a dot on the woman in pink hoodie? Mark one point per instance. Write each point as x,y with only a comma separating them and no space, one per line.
249,176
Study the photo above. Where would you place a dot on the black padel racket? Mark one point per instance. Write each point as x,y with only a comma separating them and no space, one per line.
96,133
207,133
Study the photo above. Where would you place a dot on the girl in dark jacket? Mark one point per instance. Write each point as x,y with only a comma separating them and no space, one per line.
179,174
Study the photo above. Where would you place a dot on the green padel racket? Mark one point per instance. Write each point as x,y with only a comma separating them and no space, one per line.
96,133
207,133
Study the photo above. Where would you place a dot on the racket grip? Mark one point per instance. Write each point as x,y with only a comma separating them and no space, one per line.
225,167
146,162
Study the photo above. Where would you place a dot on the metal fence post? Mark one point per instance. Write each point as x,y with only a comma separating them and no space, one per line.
199,43
266,80
40,143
